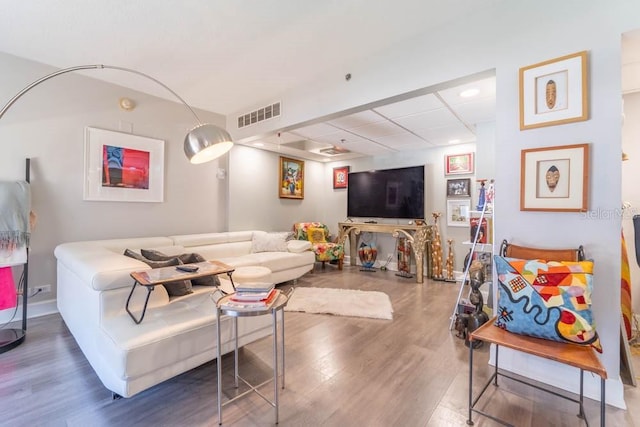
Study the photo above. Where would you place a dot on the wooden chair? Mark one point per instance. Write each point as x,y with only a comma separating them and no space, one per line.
582,357
523,252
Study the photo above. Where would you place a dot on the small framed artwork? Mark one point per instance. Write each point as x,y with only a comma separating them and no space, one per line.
555,178
458,164
291,179
554,92
341,177
458,212
121,167
459,187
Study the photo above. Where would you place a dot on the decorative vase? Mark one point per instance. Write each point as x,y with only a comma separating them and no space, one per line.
367,252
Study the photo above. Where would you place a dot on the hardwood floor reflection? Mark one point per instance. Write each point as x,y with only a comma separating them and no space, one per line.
341,371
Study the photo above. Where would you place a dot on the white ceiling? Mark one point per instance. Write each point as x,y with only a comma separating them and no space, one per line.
437,118
227,56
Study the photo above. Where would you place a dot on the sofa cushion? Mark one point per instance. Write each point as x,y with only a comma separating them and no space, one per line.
268,242
170,334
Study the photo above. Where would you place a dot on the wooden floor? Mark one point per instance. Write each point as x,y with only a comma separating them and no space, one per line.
341,371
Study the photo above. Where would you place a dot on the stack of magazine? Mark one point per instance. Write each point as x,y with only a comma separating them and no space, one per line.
254,296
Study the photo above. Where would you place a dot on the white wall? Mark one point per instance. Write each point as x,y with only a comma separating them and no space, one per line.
47,125
630,188
253,192
505,38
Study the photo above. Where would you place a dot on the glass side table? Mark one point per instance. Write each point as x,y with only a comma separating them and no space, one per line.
235,312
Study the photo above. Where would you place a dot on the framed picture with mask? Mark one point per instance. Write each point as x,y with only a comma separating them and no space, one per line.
555,178
554,92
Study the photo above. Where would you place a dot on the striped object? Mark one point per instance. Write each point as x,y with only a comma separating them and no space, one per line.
625,289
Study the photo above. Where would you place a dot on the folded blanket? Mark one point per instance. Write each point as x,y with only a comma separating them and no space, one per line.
15,205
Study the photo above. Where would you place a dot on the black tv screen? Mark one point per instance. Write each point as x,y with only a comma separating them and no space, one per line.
388,193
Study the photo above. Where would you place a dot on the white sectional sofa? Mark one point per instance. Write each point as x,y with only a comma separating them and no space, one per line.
177,333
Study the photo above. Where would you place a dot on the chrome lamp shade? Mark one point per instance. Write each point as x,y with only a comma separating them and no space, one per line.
206,142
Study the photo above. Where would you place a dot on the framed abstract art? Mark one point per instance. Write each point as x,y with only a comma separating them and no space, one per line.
458,164
555,178
121,167
341,177
554,92
291,179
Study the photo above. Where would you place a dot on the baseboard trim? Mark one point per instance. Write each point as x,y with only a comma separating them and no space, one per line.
36,309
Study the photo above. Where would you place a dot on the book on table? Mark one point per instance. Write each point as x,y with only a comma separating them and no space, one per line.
251,302
254,287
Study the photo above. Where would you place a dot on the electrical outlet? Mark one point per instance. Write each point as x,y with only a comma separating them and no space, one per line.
43,289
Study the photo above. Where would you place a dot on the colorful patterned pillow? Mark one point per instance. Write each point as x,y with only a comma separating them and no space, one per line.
547,299
316,235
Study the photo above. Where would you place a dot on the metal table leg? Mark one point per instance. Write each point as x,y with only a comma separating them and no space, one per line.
219,366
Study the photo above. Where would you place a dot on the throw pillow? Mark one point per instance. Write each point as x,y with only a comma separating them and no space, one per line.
174,289
200,281
298,246
135,255
316,235
547,299
188,258
156,255
268,242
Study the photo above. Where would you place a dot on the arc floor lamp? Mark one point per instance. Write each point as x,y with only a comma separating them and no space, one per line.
203,143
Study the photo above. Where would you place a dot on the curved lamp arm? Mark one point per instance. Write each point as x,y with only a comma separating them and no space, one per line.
203,143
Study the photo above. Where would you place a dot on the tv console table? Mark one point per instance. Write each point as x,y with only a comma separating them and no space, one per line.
417,235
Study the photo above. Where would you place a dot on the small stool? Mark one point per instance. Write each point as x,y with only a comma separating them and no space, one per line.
252,274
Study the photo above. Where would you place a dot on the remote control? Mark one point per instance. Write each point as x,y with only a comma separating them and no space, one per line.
188,268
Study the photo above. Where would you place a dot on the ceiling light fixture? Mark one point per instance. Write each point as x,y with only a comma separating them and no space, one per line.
469,93
454,141
203,143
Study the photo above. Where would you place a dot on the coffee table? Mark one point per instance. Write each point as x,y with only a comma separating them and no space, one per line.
149,279
278,305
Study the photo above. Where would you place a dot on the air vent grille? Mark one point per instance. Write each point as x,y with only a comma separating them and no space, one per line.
259,115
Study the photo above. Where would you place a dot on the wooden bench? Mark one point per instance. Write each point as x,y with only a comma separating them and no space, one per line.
581,357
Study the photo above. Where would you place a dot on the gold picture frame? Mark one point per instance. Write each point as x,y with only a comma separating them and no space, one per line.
291,179
554,92
555,179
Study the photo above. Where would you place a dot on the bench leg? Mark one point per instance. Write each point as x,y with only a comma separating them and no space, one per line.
495,368
581,413
602,402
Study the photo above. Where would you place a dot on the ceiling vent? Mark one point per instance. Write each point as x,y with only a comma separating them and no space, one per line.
259,115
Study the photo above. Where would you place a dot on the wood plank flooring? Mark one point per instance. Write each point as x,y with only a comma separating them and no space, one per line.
341,371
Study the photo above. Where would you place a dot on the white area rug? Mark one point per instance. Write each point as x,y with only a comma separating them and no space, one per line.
341,302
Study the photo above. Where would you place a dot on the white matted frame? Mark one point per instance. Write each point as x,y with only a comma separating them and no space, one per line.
555,179
458,212
122,167
554,92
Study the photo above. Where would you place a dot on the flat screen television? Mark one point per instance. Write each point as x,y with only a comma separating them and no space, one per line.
388,193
